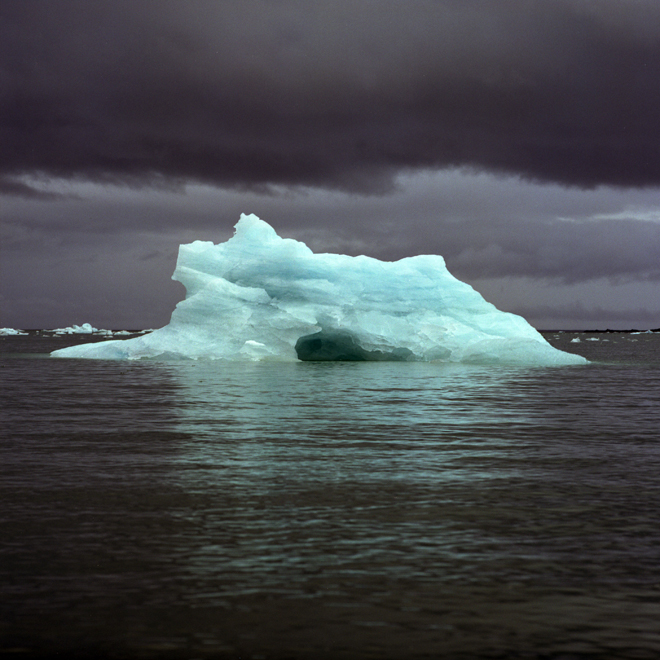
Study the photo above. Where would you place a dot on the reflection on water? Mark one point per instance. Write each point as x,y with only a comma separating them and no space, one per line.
199,509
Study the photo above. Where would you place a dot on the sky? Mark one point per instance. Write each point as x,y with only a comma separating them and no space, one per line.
518,139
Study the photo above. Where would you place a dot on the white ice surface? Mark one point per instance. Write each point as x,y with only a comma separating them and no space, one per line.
255,296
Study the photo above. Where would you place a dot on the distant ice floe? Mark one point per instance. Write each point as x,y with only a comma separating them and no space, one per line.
6,332
262,297
89,329
84,329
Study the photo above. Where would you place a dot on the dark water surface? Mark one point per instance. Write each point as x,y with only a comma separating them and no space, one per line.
330,510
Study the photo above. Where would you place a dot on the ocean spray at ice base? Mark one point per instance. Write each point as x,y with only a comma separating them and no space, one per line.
262,297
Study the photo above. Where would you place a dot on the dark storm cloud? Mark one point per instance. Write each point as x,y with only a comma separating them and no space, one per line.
336,94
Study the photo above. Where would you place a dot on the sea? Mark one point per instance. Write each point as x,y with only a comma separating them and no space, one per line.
331,510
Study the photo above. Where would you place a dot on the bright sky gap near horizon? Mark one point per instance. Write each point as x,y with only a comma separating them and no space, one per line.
519,140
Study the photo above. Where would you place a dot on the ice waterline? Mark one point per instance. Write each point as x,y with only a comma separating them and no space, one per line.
262,297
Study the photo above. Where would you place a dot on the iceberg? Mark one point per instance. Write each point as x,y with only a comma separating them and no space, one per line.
262,297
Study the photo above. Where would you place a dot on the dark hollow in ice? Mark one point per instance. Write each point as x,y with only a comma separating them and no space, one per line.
339,345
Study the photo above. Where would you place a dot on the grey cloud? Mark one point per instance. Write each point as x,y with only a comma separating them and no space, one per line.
596,314
13,188
340,95
566,252
485,227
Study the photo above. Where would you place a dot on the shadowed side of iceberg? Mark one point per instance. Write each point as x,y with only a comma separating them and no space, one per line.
262,297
